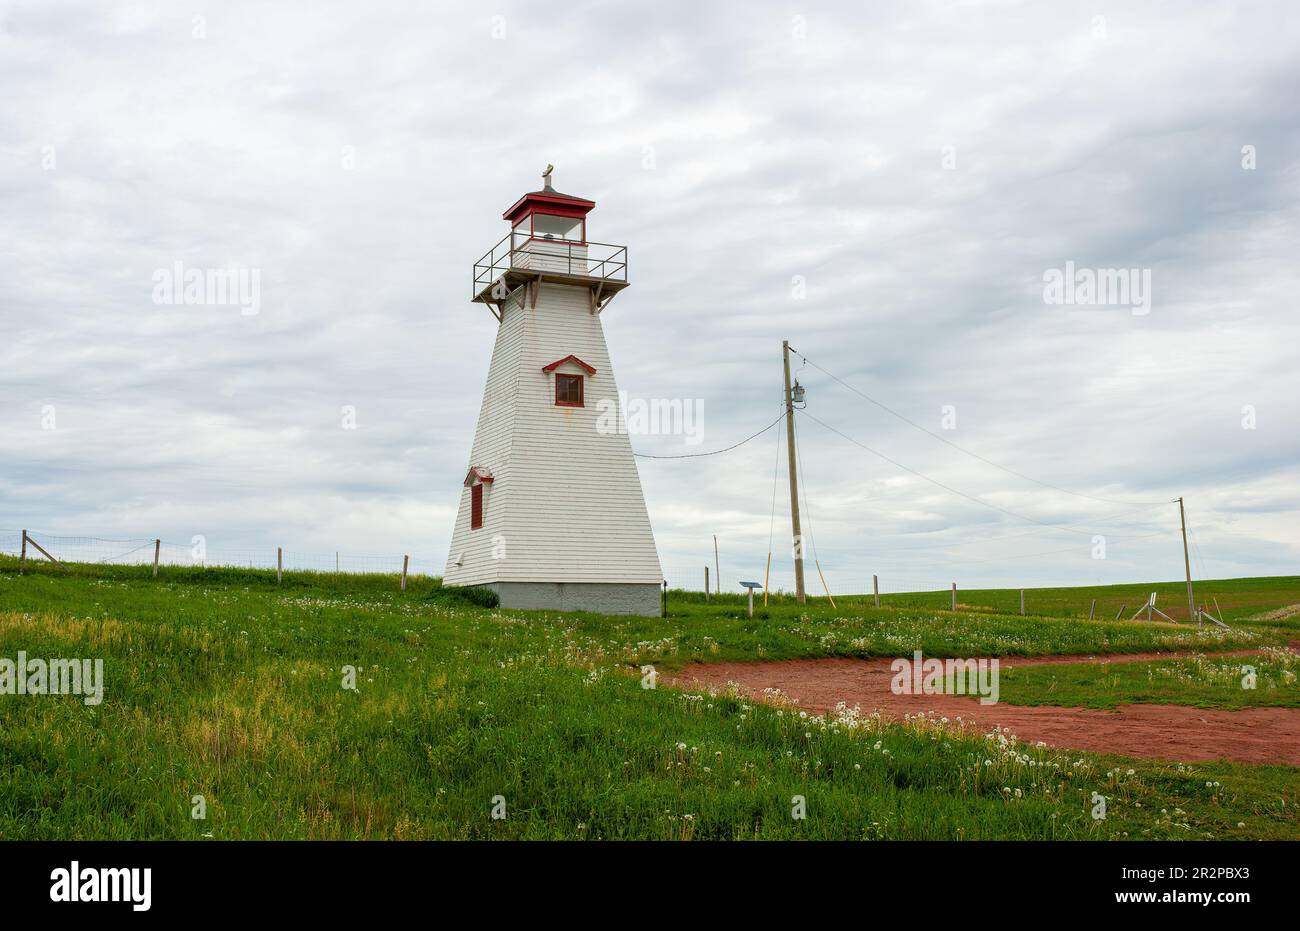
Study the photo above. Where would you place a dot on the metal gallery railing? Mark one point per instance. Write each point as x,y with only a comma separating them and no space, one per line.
595,260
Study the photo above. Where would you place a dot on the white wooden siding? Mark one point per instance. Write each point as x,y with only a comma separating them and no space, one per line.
566,501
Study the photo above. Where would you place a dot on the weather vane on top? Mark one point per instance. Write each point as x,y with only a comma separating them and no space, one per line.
546,178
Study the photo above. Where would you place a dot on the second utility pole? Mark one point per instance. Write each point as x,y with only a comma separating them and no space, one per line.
1187,564
794,477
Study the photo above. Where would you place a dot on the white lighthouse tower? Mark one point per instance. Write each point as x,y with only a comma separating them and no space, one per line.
551,513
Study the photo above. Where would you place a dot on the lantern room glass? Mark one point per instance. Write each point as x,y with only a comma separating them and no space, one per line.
547,226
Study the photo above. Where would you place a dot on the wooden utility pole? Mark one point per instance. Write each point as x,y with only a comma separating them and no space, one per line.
157,547
717,572
279,564
1187,564
22,560
794,477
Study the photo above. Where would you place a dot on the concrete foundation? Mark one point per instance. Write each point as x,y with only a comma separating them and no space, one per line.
599,597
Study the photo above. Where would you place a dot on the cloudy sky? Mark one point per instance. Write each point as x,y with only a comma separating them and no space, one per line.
885,185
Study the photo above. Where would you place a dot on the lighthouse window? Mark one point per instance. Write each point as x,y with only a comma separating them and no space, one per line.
549,227
568,390
476,506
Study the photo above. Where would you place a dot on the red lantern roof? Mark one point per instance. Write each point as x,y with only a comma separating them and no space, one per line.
550,201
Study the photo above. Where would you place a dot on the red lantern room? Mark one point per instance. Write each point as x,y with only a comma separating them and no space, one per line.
548,215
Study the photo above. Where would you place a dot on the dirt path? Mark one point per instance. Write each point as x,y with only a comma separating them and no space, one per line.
1166,732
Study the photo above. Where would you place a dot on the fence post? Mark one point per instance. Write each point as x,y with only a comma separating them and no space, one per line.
706,583
43,551
22,560
157,547
1022,601
1120,611
279,564
406,561
954,596
1092,610
875,589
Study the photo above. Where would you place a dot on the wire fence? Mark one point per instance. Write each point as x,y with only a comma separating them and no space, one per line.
691,579
130,551
140,551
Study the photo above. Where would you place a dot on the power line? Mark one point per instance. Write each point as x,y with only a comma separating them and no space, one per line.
776,473
948,488
1072,549
960,449
1196,550
716,451
1089,523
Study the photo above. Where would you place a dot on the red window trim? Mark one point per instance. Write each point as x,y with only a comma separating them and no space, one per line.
569,358
581,390
476,506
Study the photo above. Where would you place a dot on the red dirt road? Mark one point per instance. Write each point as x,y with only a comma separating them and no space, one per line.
1165,732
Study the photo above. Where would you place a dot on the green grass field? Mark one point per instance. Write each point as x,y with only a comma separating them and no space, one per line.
223,684
1203,682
